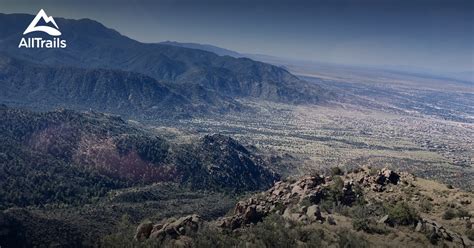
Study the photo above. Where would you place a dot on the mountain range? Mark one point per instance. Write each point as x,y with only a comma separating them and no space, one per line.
206,47
179,76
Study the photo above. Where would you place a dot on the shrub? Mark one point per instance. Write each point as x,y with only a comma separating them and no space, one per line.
279,207
463,213
327,206
306,202
360,224
123,236
373,171
403,214
450,214
207,237
335,190
334,198
425,205
336,171
361,220
274,231
360,201
348,239
368,226
470,234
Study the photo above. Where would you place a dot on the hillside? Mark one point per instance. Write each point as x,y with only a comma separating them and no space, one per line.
70,157
94,46
206,47
360,208
72,178
118,92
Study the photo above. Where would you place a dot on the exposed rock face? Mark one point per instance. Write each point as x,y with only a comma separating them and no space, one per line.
438,232
382,179
300,202
280,199
384,219
314,213
174,229
388,176
143,231
348,194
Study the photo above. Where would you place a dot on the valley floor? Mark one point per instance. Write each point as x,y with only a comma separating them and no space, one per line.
361,128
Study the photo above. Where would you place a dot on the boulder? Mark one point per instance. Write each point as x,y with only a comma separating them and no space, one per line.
437,231
314,213
389,176
175,228
232,223
143,231
183,241
287,213
419,226
384,219
251,215
348,194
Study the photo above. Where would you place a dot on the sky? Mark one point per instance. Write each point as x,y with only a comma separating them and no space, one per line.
428,34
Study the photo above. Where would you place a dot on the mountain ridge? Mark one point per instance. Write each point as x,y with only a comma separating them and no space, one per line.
126,93
92,45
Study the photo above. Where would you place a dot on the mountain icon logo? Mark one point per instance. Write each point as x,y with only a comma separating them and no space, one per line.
47,29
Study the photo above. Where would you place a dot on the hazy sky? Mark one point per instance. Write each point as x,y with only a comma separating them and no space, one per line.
431,34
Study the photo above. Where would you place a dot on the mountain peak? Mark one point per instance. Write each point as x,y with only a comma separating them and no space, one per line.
92,45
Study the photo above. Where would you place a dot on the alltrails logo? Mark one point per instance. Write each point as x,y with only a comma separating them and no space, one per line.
38,42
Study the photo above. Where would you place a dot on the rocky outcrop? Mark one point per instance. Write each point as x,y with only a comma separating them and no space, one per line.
178,231
437,232
143,231
284,198
314,213
382,179
307,202
220,162
175,228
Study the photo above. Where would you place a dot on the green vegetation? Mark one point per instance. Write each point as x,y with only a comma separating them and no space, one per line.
274,231
470,234
368,226
336,171
338,200
67,157
121,237
349,239
425,205
335,193
36,153
363,219
451,213
403,214
152,149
